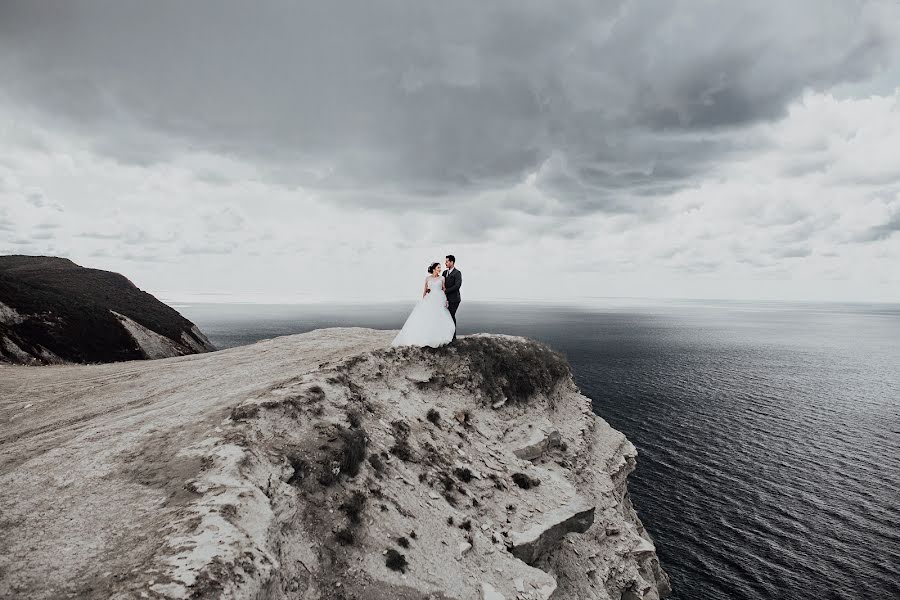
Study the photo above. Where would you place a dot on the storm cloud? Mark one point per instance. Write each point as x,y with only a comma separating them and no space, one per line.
566,120
432,98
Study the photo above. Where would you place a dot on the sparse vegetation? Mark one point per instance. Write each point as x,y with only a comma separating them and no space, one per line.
353,506
512,369
244,412
402,542
401,448
524,481
354,451
434,417
395,561
301,469
463,474
345,536
377,464
342,454
354,417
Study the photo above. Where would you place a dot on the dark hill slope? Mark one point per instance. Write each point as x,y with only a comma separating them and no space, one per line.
52,310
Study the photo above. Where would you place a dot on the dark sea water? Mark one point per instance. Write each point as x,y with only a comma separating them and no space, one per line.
768,434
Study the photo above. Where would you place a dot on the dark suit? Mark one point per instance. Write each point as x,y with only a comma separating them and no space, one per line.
452,283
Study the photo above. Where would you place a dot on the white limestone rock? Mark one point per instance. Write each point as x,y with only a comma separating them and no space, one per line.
212,475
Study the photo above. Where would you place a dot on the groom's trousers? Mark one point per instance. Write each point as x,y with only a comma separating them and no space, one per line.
452,306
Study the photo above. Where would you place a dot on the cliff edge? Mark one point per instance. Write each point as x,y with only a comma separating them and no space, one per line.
321,465
53,311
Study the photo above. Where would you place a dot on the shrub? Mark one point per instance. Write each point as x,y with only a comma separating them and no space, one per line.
343,454
377,464
244,412
512,369
353,506
301,469
463,474
434,417
524,481
354,417
395,561
401,448
354,451
345,536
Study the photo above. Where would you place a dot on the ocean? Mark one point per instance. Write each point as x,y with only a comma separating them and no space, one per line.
768,434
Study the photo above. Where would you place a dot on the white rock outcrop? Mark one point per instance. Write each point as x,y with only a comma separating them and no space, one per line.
322,465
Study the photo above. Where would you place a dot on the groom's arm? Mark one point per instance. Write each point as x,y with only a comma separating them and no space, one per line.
457,283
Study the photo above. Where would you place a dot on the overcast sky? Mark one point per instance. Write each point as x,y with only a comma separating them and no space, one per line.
290,151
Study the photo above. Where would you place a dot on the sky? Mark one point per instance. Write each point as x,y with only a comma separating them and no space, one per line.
329,151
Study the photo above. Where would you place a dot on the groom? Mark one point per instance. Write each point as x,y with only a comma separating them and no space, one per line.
452,283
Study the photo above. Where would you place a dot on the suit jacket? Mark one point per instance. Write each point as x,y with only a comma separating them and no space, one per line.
452,283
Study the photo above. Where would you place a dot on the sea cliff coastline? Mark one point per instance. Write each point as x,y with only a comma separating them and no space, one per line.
320,465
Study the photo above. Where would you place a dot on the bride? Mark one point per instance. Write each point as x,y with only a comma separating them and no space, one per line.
429,323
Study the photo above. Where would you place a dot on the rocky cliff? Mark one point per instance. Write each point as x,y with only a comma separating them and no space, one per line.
54,311
321,465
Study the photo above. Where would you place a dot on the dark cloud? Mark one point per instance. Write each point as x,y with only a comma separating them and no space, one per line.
614,103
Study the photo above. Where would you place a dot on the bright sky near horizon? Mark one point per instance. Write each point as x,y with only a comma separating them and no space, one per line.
331,151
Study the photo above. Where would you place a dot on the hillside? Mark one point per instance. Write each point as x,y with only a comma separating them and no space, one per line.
54,311
322,465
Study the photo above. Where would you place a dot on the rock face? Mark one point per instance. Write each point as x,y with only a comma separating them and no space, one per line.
322,465
53,311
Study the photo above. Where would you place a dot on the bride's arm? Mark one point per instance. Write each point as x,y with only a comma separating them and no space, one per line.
443,284
425,292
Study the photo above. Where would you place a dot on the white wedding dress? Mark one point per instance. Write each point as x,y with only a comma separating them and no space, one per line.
429,323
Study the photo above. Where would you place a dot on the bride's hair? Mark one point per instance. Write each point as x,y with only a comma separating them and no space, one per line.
432,266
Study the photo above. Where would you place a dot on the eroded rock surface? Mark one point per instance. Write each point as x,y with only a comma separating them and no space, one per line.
322,465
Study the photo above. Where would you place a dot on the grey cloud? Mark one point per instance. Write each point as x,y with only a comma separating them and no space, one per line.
796,251
415,103
882,231
220,248
99,235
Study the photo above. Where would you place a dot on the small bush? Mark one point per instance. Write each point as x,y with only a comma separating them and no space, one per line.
345,536
434,417
354,451
301,469
377,464
401,448
342,454
512,369
395,561
244,412
402,542
466,525
524,481
463,474
354,417
353,506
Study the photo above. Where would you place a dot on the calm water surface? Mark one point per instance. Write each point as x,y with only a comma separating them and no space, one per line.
768,434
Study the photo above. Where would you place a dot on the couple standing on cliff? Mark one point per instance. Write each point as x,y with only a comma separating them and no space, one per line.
432,321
